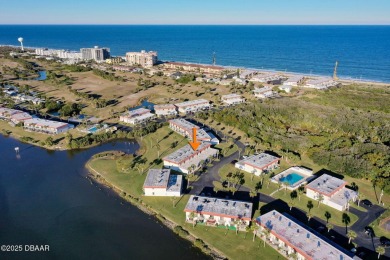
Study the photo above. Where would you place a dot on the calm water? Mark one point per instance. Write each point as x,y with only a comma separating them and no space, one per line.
362,51
292,178
46,199
42,75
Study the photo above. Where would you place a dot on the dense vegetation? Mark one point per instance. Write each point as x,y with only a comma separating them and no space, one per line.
107,75
186,78
351,141
76,68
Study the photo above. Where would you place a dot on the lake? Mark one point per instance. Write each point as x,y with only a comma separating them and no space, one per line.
45,199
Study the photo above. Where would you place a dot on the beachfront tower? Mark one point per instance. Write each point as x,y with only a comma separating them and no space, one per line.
20,39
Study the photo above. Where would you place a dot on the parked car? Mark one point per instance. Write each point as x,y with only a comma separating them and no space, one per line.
368,231
384,241
367,203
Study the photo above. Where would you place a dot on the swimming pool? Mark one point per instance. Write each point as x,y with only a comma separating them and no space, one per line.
92,129
291,178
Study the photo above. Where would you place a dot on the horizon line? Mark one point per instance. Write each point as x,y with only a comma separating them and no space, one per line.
168,24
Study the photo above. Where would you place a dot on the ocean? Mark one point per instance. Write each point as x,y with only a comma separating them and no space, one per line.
362,51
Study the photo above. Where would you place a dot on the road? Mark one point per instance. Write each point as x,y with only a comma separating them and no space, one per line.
366,243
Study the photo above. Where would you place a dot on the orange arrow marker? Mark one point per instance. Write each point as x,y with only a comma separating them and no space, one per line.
194,144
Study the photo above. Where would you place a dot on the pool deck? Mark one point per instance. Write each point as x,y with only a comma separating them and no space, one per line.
307,174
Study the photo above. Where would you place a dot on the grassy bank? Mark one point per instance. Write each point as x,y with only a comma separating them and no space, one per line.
130,184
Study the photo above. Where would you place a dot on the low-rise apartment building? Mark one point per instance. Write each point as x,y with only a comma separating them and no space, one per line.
216,212
269,78
197,68
297,240
232,99
160,182
193,106
320,83
165,110
142,58
7,113
258,163
294,80
20,117
264,92
136,116
46,126
185,128
186,160
331,191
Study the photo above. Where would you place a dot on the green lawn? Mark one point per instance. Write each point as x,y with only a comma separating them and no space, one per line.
250,179
336,216
366,188
250,183
226,146
232,245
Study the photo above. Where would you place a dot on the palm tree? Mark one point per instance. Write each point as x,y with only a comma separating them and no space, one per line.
351,235
327,216
380,250
253,228
329,227
252,193
301,190
309,205
320,198
360,197
247,229
291,204
236,223
309,216
266,232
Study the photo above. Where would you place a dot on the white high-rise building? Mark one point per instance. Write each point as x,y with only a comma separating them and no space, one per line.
95,53
143,58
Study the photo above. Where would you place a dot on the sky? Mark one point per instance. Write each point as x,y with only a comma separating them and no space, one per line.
262,12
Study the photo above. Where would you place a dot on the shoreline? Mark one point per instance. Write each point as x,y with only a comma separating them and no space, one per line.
137,202
345,79
59,148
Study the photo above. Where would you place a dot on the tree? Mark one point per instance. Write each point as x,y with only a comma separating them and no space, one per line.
380,250
68,137
49,141
293,195
140,167
329,227
291,204
252,193
236,223
351,235
266,232
301,190
360,197
320,198
346,220
309,205
192,217
327,216
309,216
254,228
